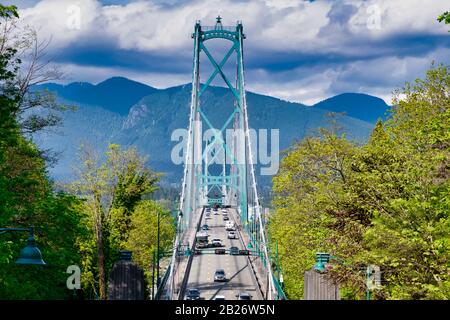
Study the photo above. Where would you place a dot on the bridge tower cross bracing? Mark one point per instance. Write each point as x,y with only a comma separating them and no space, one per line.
235,184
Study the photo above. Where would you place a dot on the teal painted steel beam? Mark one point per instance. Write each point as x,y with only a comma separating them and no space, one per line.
224,77
216,71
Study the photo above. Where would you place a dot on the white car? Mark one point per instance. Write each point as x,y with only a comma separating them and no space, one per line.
229,226
216,242
219,297
232,235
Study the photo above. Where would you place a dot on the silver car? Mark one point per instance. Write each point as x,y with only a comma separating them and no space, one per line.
219,275
232,235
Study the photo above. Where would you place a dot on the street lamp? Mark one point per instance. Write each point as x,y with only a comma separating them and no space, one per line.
30,254
157,251
321,259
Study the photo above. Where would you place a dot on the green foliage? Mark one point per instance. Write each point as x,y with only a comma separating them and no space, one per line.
384,203
307,190
27,199
112,189
143,237
410,237
444,17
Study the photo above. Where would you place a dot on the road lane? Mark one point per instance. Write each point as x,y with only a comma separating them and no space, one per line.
237,268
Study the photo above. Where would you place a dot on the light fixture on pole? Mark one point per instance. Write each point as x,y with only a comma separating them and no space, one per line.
30,254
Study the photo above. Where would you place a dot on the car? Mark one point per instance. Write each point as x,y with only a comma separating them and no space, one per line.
219,297
244,296
202,244
229,226
225,218
232,235
216,242
224,211
192,294
205,227
219,275
216,212
234,251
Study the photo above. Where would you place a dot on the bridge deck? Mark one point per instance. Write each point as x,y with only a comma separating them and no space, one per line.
237,268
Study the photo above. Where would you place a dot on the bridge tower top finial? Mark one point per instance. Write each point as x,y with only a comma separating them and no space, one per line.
218,23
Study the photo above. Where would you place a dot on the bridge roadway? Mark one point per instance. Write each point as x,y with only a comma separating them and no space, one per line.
238,271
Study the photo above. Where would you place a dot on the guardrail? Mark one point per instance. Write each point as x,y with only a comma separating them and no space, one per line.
162,283
189,264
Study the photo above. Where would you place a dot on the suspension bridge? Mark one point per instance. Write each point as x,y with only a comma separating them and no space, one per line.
219,173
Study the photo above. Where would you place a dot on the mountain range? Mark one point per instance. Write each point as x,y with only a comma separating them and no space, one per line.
130,113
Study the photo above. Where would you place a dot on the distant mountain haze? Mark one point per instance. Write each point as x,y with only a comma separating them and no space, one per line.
130,113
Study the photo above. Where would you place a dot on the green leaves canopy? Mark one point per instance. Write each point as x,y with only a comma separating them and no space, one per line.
385,203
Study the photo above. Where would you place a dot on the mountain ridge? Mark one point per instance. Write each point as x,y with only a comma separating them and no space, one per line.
338,103
107,94
150,121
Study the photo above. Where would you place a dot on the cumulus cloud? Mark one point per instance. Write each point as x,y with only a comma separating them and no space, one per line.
297,50
378,18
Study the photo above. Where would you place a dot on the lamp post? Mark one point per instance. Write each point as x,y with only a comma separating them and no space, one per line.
157,252
371,272
30,254
153,275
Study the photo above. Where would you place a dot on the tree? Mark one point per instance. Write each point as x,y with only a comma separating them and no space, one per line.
112,189
444,17
308,192
34,110
383,203
27,198
9,65
409,170
142,238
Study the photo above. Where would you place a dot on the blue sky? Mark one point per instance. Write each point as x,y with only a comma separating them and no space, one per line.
297,50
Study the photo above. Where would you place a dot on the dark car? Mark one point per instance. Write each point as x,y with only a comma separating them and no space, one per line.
234,251
205,227
193,294
244,296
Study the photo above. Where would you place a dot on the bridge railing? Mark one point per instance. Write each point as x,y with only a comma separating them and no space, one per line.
162,285
214,28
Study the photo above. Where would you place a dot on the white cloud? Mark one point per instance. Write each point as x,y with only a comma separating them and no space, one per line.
59,19
292,26
378,77
147,26
397,16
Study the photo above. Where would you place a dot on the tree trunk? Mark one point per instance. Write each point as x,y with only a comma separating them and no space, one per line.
100,246
101,264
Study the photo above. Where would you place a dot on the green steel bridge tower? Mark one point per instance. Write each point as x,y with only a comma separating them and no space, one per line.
235,184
